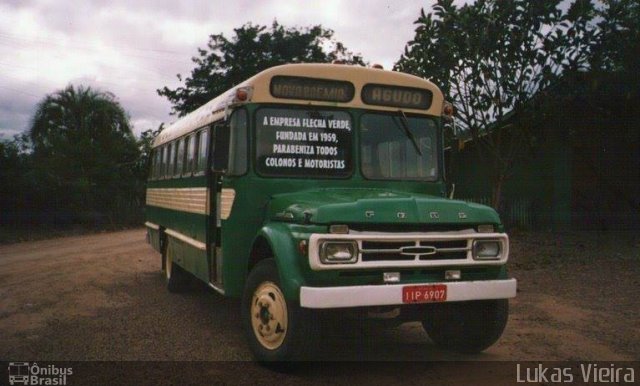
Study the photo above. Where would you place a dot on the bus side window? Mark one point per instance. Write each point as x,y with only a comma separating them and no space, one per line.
202,151
238,143
189,155
179,158
152,164
220,158
163,162
158,172
196,164
153,169
168,171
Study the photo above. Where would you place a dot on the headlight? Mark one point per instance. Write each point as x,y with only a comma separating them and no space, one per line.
339,252
485,228
486,249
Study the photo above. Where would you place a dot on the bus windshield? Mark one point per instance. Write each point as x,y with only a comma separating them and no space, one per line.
397,147
303,142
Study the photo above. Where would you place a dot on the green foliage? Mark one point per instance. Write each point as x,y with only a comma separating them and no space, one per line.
616,43
145,145
491,57
15,169
225,63
84,156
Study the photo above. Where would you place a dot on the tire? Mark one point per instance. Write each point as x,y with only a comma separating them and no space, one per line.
277,329
176,277
466,327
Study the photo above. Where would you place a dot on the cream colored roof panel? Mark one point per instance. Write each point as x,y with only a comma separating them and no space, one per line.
260,83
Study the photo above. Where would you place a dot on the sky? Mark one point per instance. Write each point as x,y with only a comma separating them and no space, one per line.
131,48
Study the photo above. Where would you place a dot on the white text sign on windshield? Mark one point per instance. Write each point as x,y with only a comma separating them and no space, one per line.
303,143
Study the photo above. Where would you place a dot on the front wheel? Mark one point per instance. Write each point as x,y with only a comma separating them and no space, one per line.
466,327
277,329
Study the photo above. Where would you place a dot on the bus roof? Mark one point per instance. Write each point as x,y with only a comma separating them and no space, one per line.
260,92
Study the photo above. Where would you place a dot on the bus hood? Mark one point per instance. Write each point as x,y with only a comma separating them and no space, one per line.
349,206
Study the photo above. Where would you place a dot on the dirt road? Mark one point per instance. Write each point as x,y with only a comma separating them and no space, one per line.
101,297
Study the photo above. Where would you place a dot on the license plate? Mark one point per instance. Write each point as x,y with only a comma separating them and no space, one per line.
424,293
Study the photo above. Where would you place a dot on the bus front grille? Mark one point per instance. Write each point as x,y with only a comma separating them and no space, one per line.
414,250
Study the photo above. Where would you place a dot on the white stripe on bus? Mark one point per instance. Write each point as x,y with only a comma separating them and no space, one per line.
152,225
192,200
226,202
195,243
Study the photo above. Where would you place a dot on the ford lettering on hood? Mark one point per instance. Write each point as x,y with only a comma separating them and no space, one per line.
350,206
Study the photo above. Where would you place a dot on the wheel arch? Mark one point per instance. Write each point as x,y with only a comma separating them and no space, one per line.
260,250
276,241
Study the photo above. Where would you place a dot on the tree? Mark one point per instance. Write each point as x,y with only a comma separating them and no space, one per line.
604,104
142,166
15,187
490,58
145,145
84,154
225,63
616,42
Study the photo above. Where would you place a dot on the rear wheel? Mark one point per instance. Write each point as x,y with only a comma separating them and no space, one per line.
177,278
466,327
277,329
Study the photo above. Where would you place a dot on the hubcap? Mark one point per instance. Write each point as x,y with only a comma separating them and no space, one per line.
269,315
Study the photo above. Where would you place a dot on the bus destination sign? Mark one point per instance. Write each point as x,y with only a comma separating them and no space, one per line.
396,96
296,87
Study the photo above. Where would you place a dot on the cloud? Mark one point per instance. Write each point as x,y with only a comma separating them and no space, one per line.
8,134
133,48
17,106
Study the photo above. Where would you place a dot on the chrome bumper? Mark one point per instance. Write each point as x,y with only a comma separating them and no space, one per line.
391,294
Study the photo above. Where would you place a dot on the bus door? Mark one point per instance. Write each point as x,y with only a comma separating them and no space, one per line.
219,164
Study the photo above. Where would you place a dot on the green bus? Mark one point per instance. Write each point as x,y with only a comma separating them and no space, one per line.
315,187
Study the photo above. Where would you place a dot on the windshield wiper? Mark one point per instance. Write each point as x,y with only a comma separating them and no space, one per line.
407,132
